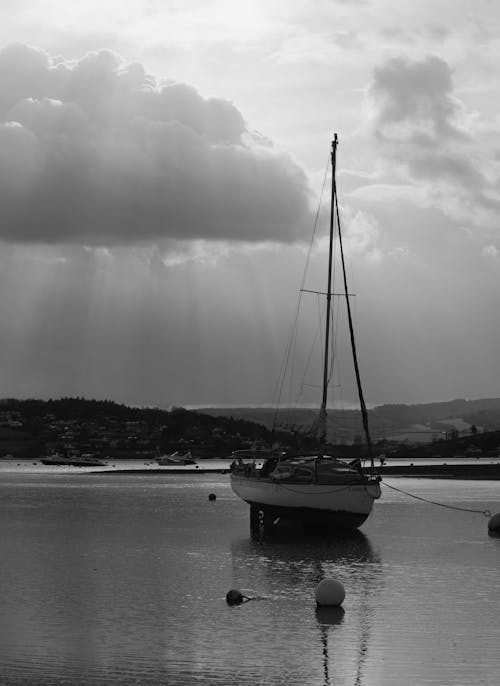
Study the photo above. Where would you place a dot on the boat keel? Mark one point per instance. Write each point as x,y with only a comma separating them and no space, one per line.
266,519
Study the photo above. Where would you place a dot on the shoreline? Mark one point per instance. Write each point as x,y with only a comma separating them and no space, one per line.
469,469
443,471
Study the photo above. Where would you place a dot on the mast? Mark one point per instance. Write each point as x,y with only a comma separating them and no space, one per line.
322,413
334,214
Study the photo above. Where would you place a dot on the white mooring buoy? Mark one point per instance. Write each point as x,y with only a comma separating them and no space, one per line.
330,592
494,525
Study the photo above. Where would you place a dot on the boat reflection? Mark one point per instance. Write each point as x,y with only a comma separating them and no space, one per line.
329,621
328,617
303,548
290,567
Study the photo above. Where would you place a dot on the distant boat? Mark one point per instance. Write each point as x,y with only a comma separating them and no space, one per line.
84,460
252,453
315,489
176,459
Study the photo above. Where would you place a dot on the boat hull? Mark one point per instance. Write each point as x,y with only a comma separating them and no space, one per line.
336,506
165,462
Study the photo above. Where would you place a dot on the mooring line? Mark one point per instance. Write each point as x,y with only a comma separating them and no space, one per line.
485,513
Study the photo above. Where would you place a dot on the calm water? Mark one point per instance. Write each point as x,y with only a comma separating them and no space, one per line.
121,579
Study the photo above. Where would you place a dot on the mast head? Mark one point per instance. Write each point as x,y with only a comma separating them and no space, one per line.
334,148
334,145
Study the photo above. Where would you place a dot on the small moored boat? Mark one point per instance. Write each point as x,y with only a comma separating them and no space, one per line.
84,460
176,459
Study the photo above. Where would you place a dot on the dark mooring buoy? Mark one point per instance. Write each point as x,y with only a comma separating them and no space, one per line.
234,597
494,525
212,496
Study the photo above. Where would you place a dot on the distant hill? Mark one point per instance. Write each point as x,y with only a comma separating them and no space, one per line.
412,423
30,427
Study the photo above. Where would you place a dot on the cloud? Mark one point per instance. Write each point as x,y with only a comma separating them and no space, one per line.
490,251
99,152
415,99
363,234
429,139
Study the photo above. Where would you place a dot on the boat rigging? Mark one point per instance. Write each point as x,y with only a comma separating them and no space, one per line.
317,488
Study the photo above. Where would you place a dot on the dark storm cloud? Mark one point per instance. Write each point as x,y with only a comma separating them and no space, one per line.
98,152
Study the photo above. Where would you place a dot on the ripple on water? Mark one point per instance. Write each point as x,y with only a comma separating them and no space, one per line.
125,583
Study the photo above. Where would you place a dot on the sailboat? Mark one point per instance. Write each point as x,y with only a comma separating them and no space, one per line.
316,489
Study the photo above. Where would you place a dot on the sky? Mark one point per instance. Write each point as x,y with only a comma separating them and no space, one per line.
161,172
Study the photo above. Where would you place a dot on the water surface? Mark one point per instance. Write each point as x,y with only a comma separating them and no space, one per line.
121,579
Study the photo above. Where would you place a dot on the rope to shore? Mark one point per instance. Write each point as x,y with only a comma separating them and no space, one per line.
485,513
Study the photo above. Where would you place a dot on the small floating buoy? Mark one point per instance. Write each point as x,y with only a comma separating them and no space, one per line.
234,597
494,525
330,592
212,496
